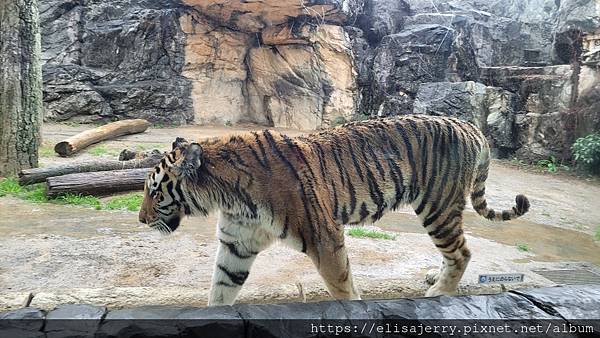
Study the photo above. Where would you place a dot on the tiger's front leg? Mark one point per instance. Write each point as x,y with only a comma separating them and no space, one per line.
237,249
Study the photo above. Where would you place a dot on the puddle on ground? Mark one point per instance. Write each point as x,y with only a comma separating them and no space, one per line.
24,218
547,243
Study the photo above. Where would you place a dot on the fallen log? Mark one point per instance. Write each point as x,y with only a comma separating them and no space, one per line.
37,175
82,140
97,183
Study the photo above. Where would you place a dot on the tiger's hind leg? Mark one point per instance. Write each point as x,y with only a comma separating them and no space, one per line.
446,232
333,265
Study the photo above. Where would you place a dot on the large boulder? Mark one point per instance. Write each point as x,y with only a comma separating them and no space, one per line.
518,32
463,64
81,94
378,18
69,93
492,109
542,136
423,48
551,86
403,61
545,99
515,35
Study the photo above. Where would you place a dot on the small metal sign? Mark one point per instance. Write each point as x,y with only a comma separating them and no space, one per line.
501,278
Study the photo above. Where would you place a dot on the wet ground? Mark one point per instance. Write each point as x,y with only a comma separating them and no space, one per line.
54,254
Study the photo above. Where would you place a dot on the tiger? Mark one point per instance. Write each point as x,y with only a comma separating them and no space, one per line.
267,187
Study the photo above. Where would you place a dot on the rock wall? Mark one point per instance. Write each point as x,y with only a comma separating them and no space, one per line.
276,63
108,60
525,70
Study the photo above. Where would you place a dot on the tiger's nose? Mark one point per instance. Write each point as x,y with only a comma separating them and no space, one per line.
142,217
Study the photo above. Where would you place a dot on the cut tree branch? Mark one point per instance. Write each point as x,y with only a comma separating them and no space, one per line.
98,183
37,175
108,131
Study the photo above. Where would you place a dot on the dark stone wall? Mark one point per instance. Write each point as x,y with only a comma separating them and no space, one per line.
477,34
109,60
413,50
558,308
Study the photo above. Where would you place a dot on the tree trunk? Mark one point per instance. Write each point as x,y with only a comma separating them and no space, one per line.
98,183
37,175
80,141
21,111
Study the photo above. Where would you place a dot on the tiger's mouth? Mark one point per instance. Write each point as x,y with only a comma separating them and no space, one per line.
166,227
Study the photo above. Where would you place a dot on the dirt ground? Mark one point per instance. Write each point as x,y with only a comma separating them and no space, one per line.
53,254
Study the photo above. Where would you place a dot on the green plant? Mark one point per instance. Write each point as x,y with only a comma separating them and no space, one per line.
102,150
228,123
338,120
360,117
9,186
597,234
76,199
550,164
46,151
523,247
131,202
586,152
98,151
362,232
33,193
37,193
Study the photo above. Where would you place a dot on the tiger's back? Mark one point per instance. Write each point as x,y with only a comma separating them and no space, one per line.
375,166
302,191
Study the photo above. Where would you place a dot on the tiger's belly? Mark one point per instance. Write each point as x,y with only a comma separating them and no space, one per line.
368,204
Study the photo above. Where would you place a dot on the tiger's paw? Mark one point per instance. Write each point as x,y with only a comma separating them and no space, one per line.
434,291
431,277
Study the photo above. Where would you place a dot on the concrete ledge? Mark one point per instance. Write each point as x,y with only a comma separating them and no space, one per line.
115,298
557,305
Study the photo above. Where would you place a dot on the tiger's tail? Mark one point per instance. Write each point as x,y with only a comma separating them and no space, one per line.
478,195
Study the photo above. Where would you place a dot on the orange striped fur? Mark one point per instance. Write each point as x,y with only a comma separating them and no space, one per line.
268,187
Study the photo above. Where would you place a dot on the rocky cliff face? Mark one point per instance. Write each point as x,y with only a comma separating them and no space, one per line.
525,71
108,60
278,63
269,63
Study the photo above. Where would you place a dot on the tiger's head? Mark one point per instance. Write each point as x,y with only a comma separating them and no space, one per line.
164,203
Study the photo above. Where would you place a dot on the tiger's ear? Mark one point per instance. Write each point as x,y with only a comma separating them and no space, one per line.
192,158
180,142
